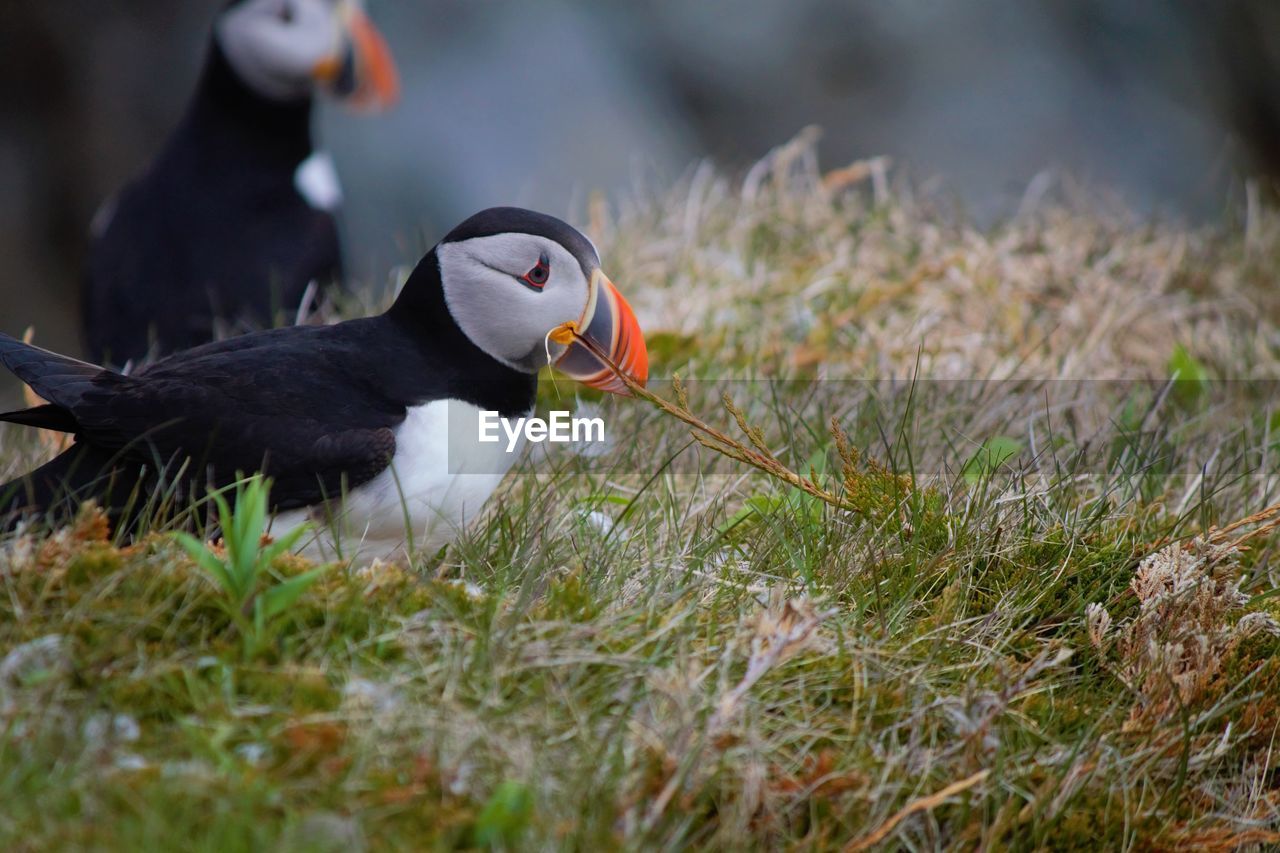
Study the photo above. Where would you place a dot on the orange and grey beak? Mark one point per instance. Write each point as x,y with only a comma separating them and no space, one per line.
362,72
611,326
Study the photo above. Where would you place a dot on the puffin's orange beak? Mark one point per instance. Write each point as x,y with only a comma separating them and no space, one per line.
379,83
611,325
364,73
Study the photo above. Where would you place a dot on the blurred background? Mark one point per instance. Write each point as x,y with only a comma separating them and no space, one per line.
1171,106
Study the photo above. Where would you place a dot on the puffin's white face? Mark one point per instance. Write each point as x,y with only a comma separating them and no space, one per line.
284,49
507,291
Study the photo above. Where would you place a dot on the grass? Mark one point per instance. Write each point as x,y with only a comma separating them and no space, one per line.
1024,632
239,566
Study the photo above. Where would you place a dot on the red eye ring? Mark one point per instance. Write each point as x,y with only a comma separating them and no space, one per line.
538,276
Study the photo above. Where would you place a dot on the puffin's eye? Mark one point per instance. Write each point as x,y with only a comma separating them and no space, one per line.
537,277
286,13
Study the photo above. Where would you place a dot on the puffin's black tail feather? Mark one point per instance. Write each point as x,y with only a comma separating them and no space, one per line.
47,416
57,378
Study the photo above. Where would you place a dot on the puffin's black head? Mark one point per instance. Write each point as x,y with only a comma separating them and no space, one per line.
286,49
512,277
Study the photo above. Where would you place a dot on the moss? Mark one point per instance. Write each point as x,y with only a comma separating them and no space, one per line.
1055,579
90,565
415,806
568,598
1096,819
296,689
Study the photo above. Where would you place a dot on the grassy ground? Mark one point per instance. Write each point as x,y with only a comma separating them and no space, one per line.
1033,624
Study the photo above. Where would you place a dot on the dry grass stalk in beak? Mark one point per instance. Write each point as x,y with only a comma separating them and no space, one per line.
757,454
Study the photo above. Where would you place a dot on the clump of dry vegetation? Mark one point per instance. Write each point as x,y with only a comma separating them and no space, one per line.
1191,617
1011,611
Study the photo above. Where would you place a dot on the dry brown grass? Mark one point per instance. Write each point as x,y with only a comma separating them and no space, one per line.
777,273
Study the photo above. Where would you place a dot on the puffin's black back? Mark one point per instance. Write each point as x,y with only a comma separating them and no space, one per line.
314,407
214,229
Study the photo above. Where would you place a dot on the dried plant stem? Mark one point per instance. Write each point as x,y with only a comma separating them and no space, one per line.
923,804
775,641
766,653
1268,519
1226,838
757,455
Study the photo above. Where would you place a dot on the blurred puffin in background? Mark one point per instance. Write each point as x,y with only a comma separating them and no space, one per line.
370,427
234,220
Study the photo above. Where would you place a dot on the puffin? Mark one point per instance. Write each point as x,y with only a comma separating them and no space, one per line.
370,428
233,224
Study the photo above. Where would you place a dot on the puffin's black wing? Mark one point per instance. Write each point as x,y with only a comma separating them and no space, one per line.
281,402
58,378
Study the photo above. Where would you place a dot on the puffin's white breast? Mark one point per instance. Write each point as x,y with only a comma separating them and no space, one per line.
316,180
437,483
